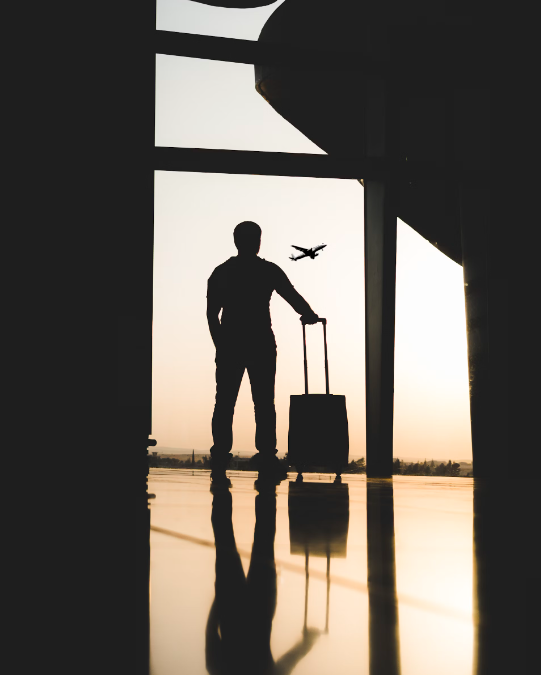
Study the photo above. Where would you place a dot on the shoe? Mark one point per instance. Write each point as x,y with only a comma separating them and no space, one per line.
271,470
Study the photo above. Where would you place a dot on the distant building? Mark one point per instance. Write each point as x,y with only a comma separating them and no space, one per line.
239,463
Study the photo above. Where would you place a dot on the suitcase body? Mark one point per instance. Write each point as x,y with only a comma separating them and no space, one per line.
318,426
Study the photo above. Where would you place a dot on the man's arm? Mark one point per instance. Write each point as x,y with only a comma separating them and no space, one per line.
285,288
214,305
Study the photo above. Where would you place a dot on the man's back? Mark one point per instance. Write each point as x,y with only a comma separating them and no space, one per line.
243,288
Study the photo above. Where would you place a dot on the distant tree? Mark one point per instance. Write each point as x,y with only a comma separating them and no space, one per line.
361,463
406,468
440,470
352,467
397,466
425,469
452,469
412,469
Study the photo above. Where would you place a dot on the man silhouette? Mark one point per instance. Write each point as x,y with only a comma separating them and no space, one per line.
242,287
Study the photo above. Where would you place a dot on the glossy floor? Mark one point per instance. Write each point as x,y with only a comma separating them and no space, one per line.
390,576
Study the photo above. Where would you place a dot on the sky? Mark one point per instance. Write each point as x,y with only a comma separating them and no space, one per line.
210,104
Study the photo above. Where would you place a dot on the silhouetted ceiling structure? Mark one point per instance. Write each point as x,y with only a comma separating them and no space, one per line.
236,4
429,45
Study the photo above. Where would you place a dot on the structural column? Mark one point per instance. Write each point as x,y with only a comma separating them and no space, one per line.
132,220
485,261
380,214
474,228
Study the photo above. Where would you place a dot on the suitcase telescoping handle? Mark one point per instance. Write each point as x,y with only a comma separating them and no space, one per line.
324,322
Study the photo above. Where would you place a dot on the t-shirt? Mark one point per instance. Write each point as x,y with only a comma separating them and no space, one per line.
242,288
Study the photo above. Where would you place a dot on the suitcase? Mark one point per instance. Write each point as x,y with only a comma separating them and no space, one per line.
318,437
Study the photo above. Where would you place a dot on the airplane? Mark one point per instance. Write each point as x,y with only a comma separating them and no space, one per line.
307,252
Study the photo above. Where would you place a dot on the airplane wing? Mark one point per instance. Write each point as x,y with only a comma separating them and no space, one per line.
317,248
299,248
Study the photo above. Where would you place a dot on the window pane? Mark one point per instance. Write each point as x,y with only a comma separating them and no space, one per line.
194,219
214,104
195,215
184,16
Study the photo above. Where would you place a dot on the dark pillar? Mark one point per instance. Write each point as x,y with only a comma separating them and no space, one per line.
131,217
382,600
474,216
380,216
485,263
487,300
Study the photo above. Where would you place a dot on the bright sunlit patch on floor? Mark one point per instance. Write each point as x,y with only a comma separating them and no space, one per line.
433,561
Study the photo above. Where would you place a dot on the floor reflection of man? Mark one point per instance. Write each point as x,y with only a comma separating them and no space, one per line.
239,625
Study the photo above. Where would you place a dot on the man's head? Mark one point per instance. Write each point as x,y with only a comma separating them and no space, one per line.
247,237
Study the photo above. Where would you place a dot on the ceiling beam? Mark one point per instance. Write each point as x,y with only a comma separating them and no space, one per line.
202,160
259,53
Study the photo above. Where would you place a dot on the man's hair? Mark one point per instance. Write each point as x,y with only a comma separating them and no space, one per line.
247,237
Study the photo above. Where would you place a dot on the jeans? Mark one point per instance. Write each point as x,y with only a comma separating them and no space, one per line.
230,367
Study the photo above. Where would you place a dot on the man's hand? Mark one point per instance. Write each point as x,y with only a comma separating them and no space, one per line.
310,318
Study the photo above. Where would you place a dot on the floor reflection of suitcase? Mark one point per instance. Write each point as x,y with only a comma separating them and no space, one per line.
318,425
318,518
318,526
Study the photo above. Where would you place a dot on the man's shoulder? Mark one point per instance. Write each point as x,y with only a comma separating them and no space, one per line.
271,268
232,265
222,269
276,273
